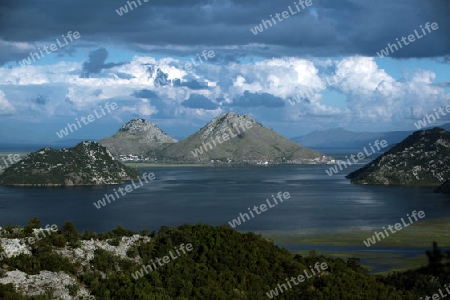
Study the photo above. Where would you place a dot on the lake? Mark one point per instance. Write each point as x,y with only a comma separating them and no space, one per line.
319,203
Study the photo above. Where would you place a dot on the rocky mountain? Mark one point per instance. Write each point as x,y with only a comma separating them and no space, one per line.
236,138
87,163
137,137
422,159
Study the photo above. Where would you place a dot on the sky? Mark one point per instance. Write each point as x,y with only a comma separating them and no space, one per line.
294,66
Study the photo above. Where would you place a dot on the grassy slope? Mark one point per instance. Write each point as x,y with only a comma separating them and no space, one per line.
256,143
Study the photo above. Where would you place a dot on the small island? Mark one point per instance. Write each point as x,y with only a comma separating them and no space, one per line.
86,164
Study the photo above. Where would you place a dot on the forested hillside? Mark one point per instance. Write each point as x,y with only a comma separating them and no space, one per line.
223,264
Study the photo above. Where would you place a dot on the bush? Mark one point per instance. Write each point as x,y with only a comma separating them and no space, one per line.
114,242
71,234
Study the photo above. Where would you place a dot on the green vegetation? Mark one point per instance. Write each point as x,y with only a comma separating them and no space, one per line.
422,159
420,235
223,264
150,165
4,159
257,144
137,137
254,145
88,163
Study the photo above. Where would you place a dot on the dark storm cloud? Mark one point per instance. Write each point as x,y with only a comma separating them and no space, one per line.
41,100
145,94
193,84
254,100
161,78
199,101
444,60
96,62
327,28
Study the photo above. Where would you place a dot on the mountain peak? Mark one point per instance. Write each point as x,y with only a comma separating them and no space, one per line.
137,125
136,137
232,116
222,123
232,138
147,131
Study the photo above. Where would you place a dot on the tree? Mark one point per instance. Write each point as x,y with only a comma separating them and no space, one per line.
32,224
435,258
71,234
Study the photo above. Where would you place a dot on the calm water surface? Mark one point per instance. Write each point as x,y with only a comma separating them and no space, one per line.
217,195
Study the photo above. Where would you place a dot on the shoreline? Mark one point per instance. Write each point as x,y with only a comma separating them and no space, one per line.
401,252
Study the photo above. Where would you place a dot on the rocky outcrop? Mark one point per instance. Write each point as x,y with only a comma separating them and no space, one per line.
85,252
422,159
58,283
38,284
148,132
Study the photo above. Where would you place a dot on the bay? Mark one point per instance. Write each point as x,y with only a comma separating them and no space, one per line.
319,203
217,195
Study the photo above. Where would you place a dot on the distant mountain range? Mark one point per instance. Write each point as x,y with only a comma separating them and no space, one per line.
342,138
229,139
422,159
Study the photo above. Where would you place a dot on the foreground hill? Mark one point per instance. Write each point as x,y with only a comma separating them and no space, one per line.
87,163
422,159
221,264
136,137
237,138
